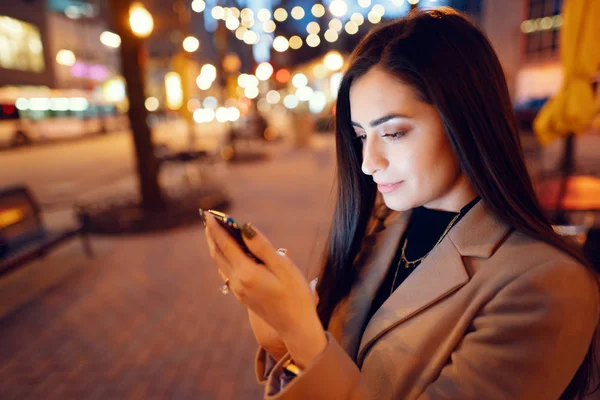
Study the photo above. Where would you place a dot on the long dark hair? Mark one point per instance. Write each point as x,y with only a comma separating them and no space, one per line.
450,63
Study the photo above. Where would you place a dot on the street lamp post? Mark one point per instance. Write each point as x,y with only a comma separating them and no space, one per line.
133,22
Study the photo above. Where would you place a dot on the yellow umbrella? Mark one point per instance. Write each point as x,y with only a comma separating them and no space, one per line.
573,108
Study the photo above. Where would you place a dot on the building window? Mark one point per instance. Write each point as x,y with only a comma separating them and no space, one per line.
21,46
541,28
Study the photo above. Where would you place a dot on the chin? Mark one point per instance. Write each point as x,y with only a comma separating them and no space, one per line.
399,203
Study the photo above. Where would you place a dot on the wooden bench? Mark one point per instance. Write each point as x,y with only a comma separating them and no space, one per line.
23,236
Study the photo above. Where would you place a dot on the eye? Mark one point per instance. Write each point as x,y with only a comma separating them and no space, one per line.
361,138
396,135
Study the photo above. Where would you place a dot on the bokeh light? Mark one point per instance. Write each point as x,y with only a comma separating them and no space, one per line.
304,93
373,17
299,80
313,40
217,12
338,8
290,101
317,102
357,18
191,44
280,14
263,15
295,42
152,104
280,44
318,10
313,27
379,9
198,6
334,61
210,102
251,92
232,23
351,28
335,24
269,26
282,76
331,35
264,70
273,97
298,13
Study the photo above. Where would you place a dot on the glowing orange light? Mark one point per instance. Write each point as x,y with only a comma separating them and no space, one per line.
282,76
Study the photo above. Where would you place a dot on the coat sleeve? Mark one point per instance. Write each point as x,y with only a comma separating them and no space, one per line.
526,343
333,375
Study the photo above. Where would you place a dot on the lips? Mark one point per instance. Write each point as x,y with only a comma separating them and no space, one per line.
388,187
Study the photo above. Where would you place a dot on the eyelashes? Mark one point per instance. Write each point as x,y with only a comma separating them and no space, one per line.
392,136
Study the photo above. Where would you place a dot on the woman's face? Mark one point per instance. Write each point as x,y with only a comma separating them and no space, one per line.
405,148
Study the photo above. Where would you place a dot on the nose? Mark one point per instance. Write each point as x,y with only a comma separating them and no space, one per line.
373,157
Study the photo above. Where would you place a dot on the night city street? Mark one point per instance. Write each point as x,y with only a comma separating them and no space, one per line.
120,120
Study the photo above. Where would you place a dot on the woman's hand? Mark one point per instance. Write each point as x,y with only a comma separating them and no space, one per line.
275,291
266,336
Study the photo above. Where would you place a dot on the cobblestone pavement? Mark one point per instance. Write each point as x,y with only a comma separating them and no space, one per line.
145,320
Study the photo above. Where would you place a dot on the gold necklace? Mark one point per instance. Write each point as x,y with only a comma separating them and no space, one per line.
407,263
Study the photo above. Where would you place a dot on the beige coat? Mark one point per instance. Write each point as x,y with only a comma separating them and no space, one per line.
489,314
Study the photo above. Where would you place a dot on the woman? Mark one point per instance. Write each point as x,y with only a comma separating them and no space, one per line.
456,287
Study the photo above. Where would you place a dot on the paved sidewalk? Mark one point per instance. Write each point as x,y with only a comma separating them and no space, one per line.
145,320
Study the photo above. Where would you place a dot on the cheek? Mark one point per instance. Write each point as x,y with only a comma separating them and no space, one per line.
438,170
433,169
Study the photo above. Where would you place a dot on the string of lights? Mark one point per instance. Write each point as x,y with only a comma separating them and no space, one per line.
252,27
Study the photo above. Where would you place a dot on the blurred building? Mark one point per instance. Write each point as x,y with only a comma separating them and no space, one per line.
525,34
59,45
80,27
25,58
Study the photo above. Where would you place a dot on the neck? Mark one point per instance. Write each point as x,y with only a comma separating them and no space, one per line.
461,194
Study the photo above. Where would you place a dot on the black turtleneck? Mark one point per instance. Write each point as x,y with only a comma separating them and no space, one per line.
424,229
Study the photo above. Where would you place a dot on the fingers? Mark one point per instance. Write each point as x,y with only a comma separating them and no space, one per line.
224,242
217,255
312,285
260,246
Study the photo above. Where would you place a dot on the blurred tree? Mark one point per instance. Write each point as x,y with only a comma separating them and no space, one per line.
133,61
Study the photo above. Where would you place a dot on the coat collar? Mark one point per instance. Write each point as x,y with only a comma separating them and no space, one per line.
477,234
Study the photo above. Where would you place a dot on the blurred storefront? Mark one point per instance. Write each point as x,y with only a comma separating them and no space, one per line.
525,34
62,45
25,58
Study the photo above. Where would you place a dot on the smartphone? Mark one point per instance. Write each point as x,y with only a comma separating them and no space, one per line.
234,230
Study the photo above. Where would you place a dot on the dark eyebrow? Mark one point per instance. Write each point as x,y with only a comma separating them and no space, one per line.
381,120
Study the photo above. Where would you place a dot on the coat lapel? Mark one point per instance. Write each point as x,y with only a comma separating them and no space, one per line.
440,274
377,253
478,234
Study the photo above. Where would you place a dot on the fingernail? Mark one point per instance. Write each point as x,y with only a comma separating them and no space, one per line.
247,231
313,284
202,217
